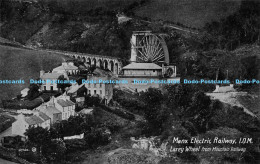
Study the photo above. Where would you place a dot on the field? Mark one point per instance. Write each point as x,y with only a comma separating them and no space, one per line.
192,13
16,63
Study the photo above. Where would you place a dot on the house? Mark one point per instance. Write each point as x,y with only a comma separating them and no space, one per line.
67,67
64,105
52,112
48,81
142,70
74,90
38,119
100,88
141,76
224,89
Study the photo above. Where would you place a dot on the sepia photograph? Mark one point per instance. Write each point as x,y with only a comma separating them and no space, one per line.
129,81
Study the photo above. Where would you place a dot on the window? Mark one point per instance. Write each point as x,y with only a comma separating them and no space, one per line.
95,92
51,88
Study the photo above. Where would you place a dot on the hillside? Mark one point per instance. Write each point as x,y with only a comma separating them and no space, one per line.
191,13
17,63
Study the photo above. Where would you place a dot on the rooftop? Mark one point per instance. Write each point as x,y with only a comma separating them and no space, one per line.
43,116
66,67
75,88
142,66
51,75
33,120
52,109
65,103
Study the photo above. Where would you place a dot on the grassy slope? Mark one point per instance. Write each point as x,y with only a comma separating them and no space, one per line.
16,63
193,13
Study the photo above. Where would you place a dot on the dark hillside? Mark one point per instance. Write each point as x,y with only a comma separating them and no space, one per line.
191,13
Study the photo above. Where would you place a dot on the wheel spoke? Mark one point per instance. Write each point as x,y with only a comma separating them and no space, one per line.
150,49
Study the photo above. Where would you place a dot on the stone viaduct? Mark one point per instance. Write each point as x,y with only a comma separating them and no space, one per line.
105,62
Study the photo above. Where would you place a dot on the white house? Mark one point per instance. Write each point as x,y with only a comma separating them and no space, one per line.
52,112
67,67
64,105
49,79
38,119
142,70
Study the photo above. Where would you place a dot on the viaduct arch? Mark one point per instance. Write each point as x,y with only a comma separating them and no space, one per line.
104,62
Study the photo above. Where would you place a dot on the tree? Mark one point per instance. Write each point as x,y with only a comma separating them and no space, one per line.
38,136
33,91
96,137
62,85
155,113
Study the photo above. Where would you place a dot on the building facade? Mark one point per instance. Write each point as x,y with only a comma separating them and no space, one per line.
100,88
38,119
52,112
48,81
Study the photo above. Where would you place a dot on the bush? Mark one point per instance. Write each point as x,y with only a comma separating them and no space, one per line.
97,137
123,114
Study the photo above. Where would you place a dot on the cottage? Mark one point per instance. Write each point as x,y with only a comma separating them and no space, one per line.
100,89
64,105
38,119
52,112
49,79
67,67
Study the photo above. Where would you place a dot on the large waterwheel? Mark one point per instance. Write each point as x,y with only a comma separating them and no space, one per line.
151,48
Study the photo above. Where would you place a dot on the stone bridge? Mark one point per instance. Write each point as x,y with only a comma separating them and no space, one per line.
105,62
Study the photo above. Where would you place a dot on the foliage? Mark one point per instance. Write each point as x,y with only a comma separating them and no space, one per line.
75,125
129,101
5,122
62,85
91,101
96,137
38,135
123,114
239,28
33,92
55,151
154,111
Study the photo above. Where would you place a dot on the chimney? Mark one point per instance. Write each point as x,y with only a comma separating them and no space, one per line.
217,88
42,72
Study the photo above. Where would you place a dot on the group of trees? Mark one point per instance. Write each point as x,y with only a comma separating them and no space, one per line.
50,144
239,28
184,111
